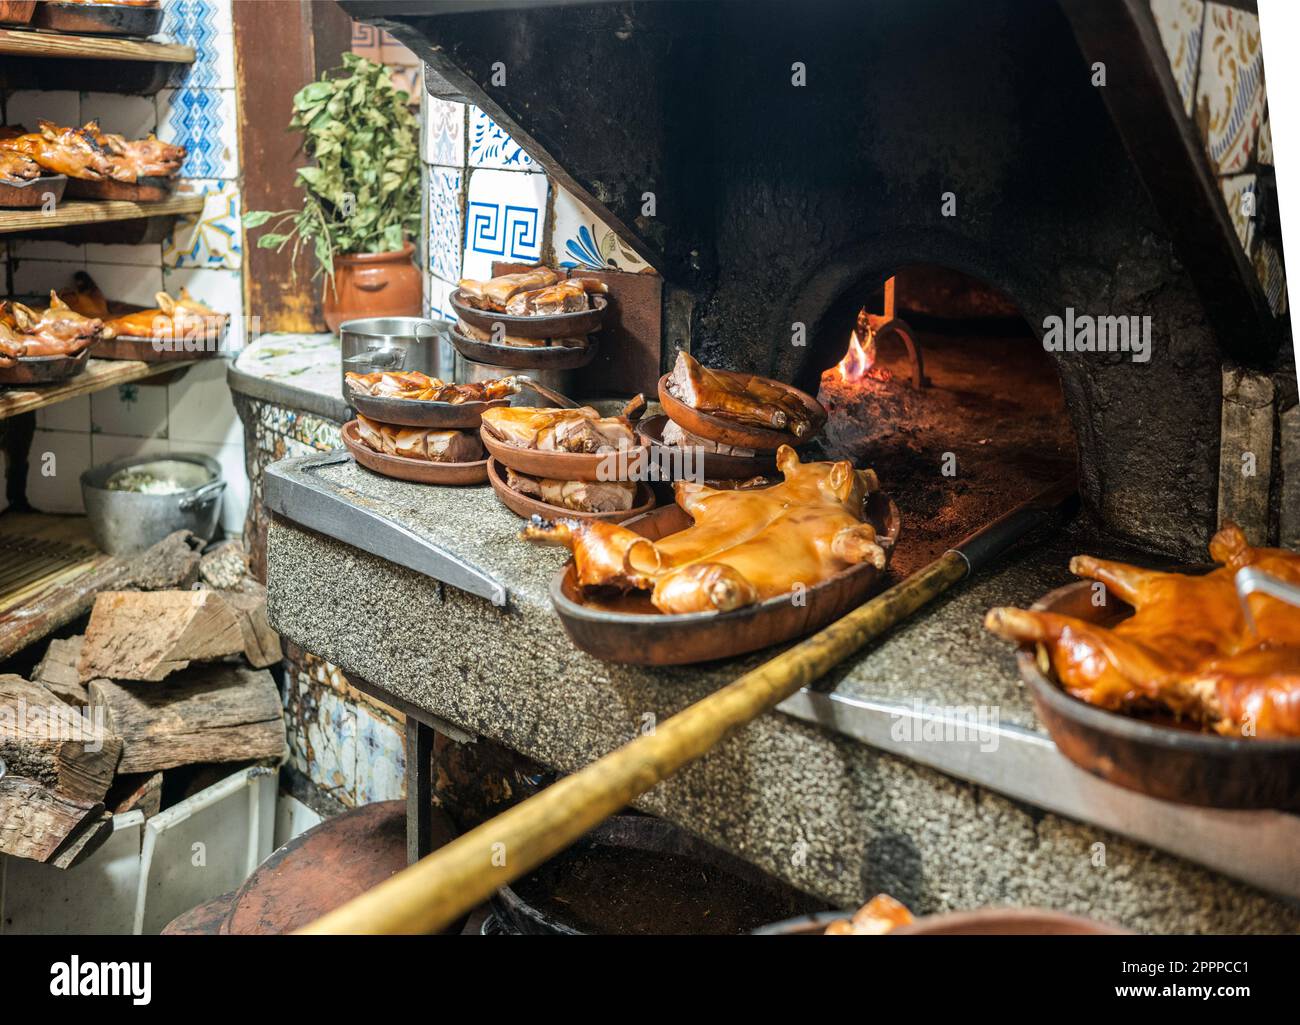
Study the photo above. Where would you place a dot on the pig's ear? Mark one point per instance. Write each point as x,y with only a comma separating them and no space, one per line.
166,303
842,478
787,460
24,317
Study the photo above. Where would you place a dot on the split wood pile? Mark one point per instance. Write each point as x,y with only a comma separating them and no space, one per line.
170,673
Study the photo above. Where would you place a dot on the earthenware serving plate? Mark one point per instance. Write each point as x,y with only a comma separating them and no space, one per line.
422,412
1171,762
99,19
728,432
525,357
30,194
629,630
160,350
562,465
44,369
142,190
550,325
527,506
419,471
713,465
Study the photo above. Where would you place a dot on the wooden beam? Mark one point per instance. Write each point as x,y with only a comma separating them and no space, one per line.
27,43
100,211
98,375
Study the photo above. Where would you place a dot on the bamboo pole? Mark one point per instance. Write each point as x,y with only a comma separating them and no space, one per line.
459,876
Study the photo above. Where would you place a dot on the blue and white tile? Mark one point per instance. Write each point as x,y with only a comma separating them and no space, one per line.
329,746
444,132
234,502
1230,90
1180,25
444,222
204,121
136,409
107,448
582,240
1240,199
213,237
68,415
206,25
490,145
367,40
381,759
222,290
27,106
132,116
55,463
187,20
201,407
437,294
126,283
505,219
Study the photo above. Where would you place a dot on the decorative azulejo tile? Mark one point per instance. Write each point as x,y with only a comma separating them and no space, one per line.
1180,23
444,132
444,222
204,122
1240,198
206,25
367,40
1264,154
437,293
491,146
581,239
212,237
1230,92
505,219
1272,277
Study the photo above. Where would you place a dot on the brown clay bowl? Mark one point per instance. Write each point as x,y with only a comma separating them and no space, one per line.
44,369
714,465
142,190
422,413
103,19
418,471
630,630
519,357
728,432
30,194
158,350
559,465
526,506
554,325
1173,763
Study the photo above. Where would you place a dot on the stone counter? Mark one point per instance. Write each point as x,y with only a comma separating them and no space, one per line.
835,805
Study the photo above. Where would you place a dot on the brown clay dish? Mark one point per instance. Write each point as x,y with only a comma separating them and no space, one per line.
518,357
1171,762
556,465
525,506
103,19
31,194
553,325
45,369
150,350
728,432
630,630
715,466
421,412
143,190
418,471
16,12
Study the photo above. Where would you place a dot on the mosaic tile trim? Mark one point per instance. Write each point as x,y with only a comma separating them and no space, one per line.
314,432
204,25
1180,24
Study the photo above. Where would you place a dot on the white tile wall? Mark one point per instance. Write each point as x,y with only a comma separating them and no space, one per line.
56,462
137,409
200,406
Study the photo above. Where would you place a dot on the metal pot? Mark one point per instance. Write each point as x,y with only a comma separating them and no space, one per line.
126,522
562,381
394,343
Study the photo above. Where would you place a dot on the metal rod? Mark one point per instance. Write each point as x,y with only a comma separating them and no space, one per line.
440,888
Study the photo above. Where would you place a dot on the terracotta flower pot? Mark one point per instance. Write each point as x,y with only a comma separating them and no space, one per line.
373,285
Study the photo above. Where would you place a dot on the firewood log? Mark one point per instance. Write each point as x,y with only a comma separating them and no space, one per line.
216,713
58,670
248,602
53,744
35,821
136,635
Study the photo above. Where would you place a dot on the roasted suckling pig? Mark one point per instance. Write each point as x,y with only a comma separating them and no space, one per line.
1188,649
564,430
878,916
17,167
130,160
412,384
744,546
173,319
579,495
55,331
748,400
419,443
91,154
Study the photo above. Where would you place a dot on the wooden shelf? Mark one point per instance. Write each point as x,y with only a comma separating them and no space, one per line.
98,375
85,211
29,43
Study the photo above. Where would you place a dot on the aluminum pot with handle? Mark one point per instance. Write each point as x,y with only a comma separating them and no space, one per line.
393,343
125,522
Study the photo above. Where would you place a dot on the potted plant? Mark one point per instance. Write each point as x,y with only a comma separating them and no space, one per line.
361,197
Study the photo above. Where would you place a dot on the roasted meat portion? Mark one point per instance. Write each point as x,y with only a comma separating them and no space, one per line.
568,296
130,160
748,400
173,319
564,430
70,151
419,443
494,293
54,331
745,546
878,916
595,496
412,384
17,167
1188,649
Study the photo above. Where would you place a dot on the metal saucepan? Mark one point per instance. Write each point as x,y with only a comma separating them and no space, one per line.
126,522
391,343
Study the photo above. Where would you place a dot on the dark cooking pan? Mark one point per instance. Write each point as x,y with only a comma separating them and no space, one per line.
44,369
442,416
29,194
100,19
714,465
550,325
144,189
628,629
523,357
1167,761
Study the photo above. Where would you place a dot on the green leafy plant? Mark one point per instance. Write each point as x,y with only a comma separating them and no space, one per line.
363,193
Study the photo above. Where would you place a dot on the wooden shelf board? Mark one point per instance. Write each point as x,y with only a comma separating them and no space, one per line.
33,43
85,211
98,375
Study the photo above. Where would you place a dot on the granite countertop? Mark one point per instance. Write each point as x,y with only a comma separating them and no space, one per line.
298,371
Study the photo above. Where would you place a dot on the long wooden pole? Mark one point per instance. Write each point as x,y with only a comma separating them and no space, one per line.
464,873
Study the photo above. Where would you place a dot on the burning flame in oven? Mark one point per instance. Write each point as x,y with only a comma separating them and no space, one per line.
860,358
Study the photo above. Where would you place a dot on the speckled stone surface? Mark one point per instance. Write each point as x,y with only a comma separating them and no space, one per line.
825,812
